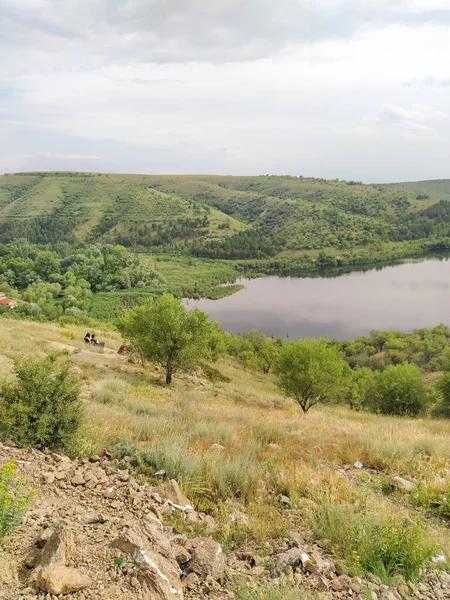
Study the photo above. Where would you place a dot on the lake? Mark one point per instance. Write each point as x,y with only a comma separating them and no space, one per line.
404,296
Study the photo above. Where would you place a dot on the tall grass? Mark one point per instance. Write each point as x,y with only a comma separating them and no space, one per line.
373,541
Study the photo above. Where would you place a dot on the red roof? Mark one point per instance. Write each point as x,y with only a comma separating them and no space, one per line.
7,301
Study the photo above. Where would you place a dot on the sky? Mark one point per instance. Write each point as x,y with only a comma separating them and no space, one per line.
348,89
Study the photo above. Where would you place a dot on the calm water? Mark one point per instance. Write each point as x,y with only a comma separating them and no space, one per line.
405,297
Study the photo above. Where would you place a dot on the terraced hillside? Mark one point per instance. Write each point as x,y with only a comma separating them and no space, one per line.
214,216
63,206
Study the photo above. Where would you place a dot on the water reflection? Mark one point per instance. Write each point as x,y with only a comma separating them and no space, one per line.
405,296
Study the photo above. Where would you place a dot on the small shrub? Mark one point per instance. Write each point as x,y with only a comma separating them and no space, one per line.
111,391
372,542
14,499
68,333
401,391
41,407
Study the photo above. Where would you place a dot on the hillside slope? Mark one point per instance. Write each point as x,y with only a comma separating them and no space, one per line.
435,188
212,216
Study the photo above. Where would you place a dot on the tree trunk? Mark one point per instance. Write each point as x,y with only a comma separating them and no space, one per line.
168,375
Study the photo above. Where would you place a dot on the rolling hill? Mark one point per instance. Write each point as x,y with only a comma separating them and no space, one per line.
217,216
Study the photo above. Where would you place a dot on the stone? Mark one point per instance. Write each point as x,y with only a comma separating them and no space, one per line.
191,582
402,484
92,517
209,525
61,475
171,491
48,477
207,558
341,583
58,579
158,576
59,544
182,556
43,538
78,479
403,590
290,558
110,493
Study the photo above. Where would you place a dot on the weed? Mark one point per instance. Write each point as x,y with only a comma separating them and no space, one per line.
14,499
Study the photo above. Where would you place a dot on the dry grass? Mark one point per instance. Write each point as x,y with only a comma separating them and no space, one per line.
270,447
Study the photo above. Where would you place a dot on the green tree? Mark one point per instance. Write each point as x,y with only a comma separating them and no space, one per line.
401,391
443,389
310,371
164,331
42,406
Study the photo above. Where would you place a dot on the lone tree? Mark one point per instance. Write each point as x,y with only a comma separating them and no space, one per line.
165,332
310,371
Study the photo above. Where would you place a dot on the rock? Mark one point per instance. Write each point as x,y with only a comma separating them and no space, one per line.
110,493
191,582
273,446
319,582
341,584
61,475
192,517
403,590
358,465
209,525
158,576
48,477
171,491
94,458
290,558
207,558
182,556
59,544
402,484
78,478
92,517
43,538
58,579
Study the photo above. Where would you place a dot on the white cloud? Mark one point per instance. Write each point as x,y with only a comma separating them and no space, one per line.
226,86
71,156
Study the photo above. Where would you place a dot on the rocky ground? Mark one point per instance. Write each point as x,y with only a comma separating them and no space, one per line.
95,533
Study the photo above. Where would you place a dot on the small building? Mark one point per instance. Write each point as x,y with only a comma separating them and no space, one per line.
8,302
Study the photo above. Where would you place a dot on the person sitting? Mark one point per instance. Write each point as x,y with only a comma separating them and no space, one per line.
95,342
87,338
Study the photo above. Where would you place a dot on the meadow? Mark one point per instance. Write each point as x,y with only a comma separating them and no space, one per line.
269,450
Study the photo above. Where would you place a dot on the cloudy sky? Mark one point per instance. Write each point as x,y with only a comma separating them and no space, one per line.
354,89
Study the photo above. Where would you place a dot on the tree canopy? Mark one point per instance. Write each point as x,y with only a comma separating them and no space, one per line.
165,332
310,371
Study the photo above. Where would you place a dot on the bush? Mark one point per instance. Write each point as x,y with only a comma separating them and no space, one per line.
442,409
372,542
41,407
14,499
401,391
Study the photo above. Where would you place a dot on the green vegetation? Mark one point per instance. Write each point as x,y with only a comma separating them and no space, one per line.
41,407
14,499
401,391
373,542
310,371
166,333
269,448
217,217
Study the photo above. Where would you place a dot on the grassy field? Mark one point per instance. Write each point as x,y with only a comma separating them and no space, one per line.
270,448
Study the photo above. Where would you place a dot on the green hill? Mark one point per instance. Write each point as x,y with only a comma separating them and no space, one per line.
435,189
214,216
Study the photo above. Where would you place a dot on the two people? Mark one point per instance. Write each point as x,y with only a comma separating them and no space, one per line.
91,339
